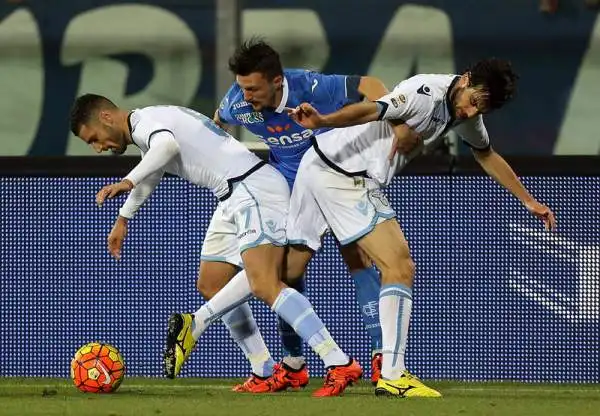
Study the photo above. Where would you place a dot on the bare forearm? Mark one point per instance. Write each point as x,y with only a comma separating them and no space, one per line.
352,115
495,166
372,88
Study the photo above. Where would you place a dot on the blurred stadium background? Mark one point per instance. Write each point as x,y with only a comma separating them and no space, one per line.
496,299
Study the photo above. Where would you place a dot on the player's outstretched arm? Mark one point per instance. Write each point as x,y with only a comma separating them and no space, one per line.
495,166
163,148
134,201
308,116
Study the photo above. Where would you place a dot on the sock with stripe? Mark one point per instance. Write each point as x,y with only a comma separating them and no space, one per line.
395,307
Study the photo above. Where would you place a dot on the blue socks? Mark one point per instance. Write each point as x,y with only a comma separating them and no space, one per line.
368,286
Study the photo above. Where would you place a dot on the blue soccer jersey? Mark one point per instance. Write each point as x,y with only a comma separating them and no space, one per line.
287,140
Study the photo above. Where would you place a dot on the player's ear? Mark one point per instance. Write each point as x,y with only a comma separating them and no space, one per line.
105,117
278,80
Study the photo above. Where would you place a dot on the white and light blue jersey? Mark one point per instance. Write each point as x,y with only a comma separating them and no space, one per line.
423,103
287,140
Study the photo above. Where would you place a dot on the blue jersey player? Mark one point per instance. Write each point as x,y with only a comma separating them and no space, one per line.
257,101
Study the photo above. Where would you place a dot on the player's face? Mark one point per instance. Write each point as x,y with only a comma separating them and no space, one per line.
258,90
103,135
469,101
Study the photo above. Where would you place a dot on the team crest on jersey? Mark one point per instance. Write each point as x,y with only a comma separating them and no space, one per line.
402,98
394,102
378,198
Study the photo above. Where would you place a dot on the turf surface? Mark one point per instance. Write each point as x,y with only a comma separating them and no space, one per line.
212,397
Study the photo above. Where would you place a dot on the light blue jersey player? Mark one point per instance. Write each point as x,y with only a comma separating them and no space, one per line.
257,101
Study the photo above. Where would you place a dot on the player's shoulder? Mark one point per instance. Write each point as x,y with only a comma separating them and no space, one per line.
147,119
427,82
299,79
423,88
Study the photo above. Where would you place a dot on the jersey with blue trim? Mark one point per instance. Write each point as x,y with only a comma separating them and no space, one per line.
287,140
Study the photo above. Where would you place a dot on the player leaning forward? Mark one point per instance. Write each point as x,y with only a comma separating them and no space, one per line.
253,197
339,180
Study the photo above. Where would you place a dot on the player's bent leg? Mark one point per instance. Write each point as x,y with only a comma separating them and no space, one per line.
293,363
388,248
291,372
262,266
367,286
181,337
212,277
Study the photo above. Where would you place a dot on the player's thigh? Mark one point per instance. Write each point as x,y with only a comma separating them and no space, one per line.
258,208
220,257
296,261
355,258
264,267
386,245
306,224
213,276
352,206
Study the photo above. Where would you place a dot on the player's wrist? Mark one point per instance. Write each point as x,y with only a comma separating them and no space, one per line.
128,182
123,220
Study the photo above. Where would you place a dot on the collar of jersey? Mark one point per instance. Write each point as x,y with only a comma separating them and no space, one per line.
284,96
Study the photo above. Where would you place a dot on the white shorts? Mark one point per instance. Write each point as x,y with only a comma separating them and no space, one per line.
254,214
323,199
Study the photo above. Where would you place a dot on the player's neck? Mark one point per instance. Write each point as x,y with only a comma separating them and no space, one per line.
124,124
277,98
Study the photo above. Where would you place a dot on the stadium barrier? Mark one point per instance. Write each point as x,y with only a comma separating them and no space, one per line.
496,297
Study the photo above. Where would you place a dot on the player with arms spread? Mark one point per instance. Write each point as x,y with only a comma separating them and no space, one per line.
340,179
253,202
257,101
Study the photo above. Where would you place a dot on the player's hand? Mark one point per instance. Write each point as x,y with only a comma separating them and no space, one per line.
116,237
113,190
543,213
405,140
306,115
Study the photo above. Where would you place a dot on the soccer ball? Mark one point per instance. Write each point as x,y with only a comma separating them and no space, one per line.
97,368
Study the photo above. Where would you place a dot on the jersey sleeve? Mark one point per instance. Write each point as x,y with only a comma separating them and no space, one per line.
399,105
473,133
162,148
336,90
224,111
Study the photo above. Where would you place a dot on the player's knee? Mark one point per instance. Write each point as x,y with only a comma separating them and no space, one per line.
206,288
265,287
297,260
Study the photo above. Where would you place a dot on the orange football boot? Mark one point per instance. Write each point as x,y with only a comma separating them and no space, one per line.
254,384
376,362
338,378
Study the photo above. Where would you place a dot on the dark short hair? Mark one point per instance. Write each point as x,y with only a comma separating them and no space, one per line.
85,107
255,55
497,79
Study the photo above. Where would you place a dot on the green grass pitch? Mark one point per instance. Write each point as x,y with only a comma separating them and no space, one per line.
212,397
